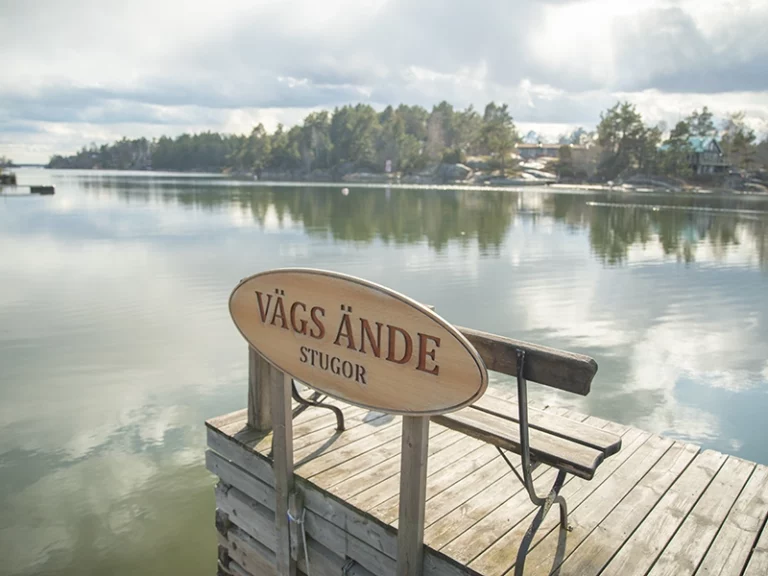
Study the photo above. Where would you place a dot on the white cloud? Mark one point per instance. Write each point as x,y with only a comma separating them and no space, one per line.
103,72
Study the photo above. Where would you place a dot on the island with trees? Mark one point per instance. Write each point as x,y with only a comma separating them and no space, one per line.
410,144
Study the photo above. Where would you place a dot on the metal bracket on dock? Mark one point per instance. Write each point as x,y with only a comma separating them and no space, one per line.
528,465
348,565
315,401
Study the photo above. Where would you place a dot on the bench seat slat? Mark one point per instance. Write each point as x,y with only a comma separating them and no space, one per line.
563,454
585,434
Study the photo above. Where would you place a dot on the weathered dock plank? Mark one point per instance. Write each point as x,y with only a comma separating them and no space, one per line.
733,544
758,563
492,540
387,489
656,507
640,551
606,534
685,551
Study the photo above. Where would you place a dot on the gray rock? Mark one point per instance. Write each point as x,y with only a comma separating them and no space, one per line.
452,172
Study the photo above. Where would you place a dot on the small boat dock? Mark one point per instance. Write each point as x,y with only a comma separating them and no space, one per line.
10,187
417,466
658,507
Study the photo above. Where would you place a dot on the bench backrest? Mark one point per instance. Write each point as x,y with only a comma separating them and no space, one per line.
555,368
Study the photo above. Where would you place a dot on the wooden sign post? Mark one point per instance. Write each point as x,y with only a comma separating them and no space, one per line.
366,345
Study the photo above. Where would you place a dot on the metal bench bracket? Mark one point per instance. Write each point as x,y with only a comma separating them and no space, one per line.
315,401
528,466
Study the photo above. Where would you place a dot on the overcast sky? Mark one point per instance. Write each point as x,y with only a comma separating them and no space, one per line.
77,71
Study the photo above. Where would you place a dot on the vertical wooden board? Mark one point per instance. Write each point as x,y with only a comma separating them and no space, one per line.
501,555
391,466
606,535
732,545
758,563
259,392
549,549
382,491
388,511
638,554
495,538
413,485
689,544
283,466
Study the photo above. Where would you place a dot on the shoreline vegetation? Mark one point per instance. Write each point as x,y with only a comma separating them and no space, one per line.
411,145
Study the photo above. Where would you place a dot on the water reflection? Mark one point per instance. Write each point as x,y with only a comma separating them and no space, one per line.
681,226
115,342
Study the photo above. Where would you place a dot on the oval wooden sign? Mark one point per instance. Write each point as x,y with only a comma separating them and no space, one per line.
358,341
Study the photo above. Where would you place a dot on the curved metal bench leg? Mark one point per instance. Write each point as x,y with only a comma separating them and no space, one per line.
313,402
528,464
551,498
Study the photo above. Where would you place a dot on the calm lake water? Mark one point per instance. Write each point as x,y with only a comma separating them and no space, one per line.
116,343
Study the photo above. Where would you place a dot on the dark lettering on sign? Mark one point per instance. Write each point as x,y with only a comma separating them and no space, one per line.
367,341
365,331
345,329
424,352
316,310
333,364
407,350
302,323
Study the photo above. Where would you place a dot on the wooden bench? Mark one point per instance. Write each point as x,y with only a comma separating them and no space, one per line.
538,437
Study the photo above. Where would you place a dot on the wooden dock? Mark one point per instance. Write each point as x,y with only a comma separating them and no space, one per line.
658,507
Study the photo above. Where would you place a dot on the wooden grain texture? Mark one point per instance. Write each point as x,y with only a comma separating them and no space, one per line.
497,557
358,481
387,511
320,503
554,368
241,455
416,363
549,548
545,448
454,496
684,552
413,484
638,554
597,536
466,515
259,392
469,513
384,491
567,428
251,555
252,517
493,535
359,465
322,430
733,544
758,563
316,459
239,478
283,467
